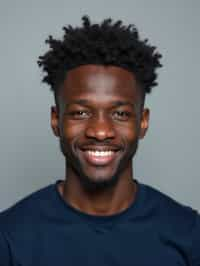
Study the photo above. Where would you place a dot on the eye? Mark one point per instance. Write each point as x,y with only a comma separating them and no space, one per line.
78,114
121,115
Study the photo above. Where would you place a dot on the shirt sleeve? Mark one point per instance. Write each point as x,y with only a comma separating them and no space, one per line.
196,242
5,259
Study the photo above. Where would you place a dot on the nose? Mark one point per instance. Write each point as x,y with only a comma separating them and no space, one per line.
100,128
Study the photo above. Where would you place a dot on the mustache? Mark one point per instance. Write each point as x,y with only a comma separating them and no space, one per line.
80,142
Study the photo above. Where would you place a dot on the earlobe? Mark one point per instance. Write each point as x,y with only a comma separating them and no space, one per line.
55,121
144,124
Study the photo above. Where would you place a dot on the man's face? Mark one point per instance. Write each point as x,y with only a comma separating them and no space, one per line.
99,120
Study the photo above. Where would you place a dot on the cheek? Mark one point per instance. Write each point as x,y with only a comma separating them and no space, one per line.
128,132
71,130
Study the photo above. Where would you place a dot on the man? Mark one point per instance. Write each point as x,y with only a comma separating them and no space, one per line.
99,215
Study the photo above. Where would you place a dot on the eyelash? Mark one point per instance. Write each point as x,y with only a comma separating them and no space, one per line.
77,113
121,115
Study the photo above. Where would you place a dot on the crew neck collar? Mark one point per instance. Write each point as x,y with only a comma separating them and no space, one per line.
129,212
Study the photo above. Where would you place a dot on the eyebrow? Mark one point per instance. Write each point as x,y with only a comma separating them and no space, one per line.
115,103
121,103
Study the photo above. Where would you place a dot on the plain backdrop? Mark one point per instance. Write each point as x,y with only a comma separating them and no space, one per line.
168,158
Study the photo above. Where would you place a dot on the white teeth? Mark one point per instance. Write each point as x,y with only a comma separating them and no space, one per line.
100,153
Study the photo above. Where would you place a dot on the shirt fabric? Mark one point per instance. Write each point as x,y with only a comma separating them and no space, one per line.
43,229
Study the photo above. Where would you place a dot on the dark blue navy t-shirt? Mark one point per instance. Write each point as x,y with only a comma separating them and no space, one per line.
44,230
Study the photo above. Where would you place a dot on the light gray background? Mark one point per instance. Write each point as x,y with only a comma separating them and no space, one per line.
168,158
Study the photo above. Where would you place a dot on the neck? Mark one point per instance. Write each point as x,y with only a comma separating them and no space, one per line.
107,201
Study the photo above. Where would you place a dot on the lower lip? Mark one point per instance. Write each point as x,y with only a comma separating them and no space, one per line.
99,160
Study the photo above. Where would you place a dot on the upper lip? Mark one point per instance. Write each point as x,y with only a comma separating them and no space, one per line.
99,148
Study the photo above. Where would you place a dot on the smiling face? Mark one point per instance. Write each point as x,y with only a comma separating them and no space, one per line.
99,120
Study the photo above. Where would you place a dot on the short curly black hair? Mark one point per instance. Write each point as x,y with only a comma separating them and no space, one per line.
107,43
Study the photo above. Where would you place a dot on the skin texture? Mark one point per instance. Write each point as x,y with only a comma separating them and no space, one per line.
99,108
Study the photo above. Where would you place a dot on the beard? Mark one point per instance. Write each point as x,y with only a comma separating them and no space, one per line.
90,183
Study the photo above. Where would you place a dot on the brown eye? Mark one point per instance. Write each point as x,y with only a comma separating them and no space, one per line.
78,114
121,115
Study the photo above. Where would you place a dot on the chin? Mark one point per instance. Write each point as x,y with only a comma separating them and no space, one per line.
98,182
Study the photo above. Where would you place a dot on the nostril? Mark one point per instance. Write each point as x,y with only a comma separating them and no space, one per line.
100,131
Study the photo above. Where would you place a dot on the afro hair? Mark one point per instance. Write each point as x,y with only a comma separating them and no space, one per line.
107,43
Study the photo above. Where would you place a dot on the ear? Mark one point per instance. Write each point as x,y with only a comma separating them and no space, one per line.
144,123
55,121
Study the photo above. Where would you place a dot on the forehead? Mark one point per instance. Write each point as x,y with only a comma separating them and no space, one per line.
102,83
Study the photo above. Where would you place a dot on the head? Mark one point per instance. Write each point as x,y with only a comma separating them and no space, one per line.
100,75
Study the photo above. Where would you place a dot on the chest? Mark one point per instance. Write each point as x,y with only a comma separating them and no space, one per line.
100,246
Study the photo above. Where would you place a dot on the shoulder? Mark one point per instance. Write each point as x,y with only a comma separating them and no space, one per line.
169,213
178,225
20,224
25,211
175,223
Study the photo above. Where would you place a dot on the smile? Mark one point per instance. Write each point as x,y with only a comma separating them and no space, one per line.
99,157
100,153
